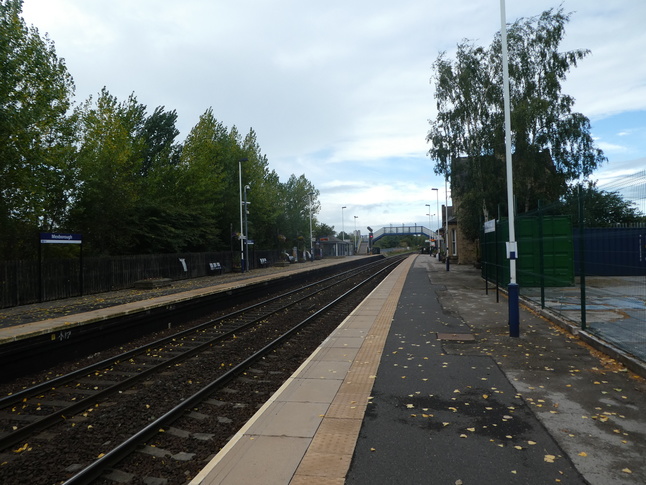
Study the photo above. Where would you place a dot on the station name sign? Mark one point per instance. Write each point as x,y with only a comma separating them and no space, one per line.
60,238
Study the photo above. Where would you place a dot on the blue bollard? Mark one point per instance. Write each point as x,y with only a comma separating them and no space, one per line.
513,291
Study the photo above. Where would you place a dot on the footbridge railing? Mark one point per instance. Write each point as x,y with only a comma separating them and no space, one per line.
414,230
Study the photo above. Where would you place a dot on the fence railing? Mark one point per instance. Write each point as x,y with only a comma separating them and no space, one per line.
26,282
607,294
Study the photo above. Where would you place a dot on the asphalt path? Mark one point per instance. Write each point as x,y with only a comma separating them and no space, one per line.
542,408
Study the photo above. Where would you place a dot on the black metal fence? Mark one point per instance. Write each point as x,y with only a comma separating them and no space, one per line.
26,282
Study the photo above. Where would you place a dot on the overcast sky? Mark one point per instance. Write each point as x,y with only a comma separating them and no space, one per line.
339,90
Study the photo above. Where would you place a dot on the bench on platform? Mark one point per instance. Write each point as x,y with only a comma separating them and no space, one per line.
215,268
264,262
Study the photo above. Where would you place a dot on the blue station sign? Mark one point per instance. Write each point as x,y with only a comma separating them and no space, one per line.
60,238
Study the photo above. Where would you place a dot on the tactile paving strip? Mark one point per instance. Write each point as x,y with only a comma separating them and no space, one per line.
328,458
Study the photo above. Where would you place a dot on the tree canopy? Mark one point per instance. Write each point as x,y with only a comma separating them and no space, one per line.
116,173
601,208
551,144
36,135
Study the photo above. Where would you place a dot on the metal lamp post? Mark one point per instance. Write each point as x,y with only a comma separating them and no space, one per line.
242,236
355,234
343,228
311,241
246,225
437,202
512,248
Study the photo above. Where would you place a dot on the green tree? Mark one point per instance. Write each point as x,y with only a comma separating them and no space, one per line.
109,164
321,230
36,136
299,196
601,208
159,132
201,184
552,145
263,194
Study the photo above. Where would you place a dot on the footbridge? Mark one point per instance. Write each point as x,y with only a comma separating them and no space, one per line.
403,231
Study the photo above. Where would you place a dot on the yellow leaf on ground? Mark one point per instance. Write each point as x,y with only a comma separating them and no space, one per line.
22,448
549,458
583,453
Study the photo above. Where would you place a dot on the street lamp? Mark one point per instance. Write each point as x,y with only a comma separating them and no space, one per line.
246,224
512,246
311,242
242,258
343,229
355,234
429,216
437,202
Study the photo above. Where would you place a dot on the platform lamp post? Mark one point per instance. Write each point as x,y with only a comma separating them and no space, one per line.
343,228
429,217
311,241
246,225
355,234
512,248
437,202
446,222
242,236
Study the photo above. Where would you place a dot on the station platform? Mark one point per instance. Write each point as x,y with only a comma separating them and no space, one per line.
52,316
421,384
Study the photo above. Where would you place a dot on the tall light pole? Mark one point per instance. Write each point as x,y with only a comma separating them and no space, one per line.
512,249
446,220
242,259
437,202
355,234
343,228
246,224
429,217
311,242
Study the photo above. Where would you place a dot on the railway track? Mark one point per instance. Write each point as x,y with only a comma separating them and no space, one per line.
81,424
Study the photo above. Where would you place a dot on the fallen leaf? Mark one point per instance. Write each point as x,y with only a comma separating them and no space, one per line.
549,458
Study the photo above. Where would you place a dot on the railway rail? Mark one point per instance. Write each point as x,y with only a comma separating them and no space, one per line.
83,423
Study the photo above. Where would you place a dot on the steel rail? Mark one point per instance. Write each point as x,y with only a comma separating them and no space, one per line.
18,396
20,434
94,470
